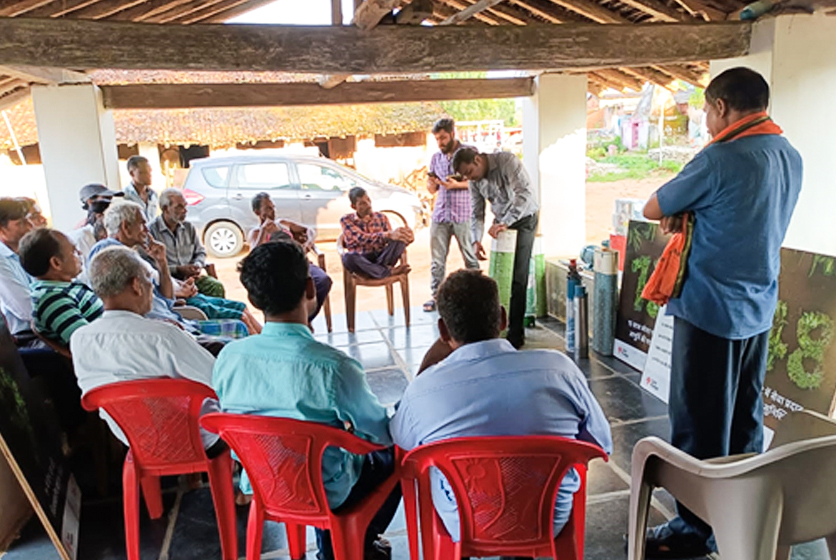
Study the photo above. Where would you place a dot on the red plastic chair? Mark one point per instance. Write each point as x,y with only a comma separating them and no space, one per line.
160,419
283,459
505,488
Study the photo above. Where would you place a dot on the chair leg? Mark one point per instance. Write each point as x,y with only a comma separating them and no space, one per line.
350,299
410,507
223,495
255,529
348,545
390,299
405,294
296,541
326,305
831,546
640,496
130,497
783,553
748,528
153,496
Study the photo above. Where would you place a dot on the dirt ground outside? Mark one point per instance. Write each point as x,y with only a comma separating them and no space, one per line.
600,199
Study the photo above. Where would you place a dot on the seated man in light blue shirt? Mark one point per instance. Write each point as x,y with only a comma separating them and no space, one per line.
285,372
487,388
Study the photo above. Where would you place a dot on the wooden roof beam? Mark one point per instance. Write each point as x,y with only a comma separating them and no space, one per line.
233,10
592,10
100,44
182,96
414,13
208,10
618,77
9,86
460,6
604,81
370,12
120,10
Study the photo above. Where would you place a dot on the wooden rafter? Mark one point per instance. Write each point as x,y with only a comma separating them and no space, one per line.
698,79
592,10
62,8
336,12
44,75
109,8
13,98
460,5
696,7
181,96
513,14
618,77
543,12
12,8
11,85
470,11
161,11
370,12
208,11
651,75
233,10
604,81
658,10
90,44
414,13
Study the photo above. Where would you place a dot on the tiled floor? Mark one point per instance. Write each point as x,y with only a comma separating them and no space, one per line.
391,353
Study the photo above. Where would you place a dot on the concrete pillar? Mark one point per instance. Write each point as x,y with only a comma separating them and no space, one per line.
554,154
152,153
797,56
77,141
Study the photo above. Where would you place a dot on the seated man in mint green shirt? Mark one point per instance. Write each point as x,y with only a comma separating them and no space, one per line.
285,372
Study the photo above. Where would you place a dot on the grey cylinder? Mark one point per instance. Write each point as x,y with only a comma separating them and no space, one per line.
605,301
581,324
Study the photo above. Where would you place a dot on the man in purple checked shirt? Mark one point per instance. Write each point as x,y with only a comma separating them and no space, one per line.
451,216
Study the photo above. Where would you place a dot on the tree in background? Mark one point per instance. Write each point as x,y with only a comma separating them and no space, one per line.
479,109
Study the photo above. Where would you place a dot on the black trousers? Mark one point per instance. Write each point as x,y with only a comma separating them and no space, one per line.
716,401
377,467
526,229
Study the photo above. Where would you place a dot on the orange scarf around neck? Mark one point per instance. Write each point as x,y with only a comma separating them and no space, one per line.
669,275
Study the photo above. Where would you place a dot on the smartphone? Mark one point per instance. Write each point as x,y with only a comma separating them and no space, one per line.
432,174
456,177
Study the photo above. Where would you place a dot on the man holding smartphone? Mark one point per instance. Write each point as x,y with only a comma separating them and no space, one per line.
451,215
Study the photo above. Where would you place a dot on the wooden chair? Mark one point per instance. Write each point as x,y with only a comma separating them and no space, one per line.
55,346
326,305
210,270
351,281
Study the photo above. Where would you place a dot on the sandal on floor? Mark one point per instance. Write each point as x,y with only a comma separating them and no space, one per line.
429,306
675,545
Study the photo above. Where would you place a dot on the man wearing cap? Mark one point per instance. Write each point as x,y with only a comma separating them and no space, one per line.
92,193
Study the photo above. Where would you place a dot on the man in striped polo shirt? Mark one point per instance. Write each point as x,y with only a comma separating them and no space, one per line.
59,304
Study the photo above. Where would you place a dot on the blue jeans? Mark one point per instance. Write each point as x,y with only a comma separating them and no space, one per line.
716,401
375,265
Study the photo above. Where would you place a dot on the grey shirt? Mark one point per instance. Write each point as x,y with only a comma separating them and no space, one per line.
508,188
149,209
182,246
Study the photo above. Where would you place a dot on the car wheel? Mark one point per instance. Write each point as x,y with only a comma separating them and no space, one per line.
223,239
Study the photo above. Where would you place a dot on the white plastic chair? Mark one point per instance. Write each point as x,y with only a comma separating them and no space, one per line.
757,505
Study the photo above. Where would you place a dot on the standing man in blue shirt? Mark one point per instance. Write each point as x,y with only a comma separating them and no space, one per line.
285,372
741,191
487,388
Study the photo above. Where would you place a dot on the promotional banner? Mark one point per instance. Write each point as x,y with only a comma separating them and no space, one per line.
657,370
801,368
636,315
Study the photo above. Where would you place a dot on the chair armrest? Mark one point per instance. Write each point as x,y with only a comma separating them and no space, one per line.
190,312
320,256
403,258
210,270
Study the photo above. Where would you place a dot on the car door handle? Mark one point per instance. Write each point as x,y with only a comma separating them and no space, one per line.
307,197
238,196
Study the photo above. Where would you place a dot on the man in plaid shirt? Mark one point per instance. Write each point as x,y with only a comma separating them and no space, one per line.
372,246
451,215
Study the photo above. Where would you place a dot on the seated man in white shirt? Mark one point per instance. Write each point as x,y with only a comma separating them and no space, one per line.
487,388
15,301
123,345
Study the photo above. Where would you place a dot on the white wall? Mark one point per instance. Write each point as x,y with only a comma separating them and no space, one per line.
77,141
797,55
554,154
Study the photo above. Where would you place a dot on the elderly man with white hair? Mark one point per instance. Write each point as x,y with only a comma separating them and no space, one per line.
122,345
125,225
184,251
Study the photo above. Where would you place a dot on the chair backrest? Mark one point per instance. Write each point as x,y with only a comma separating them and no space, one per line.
55,346
283,460
505,487
340,246
158,416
